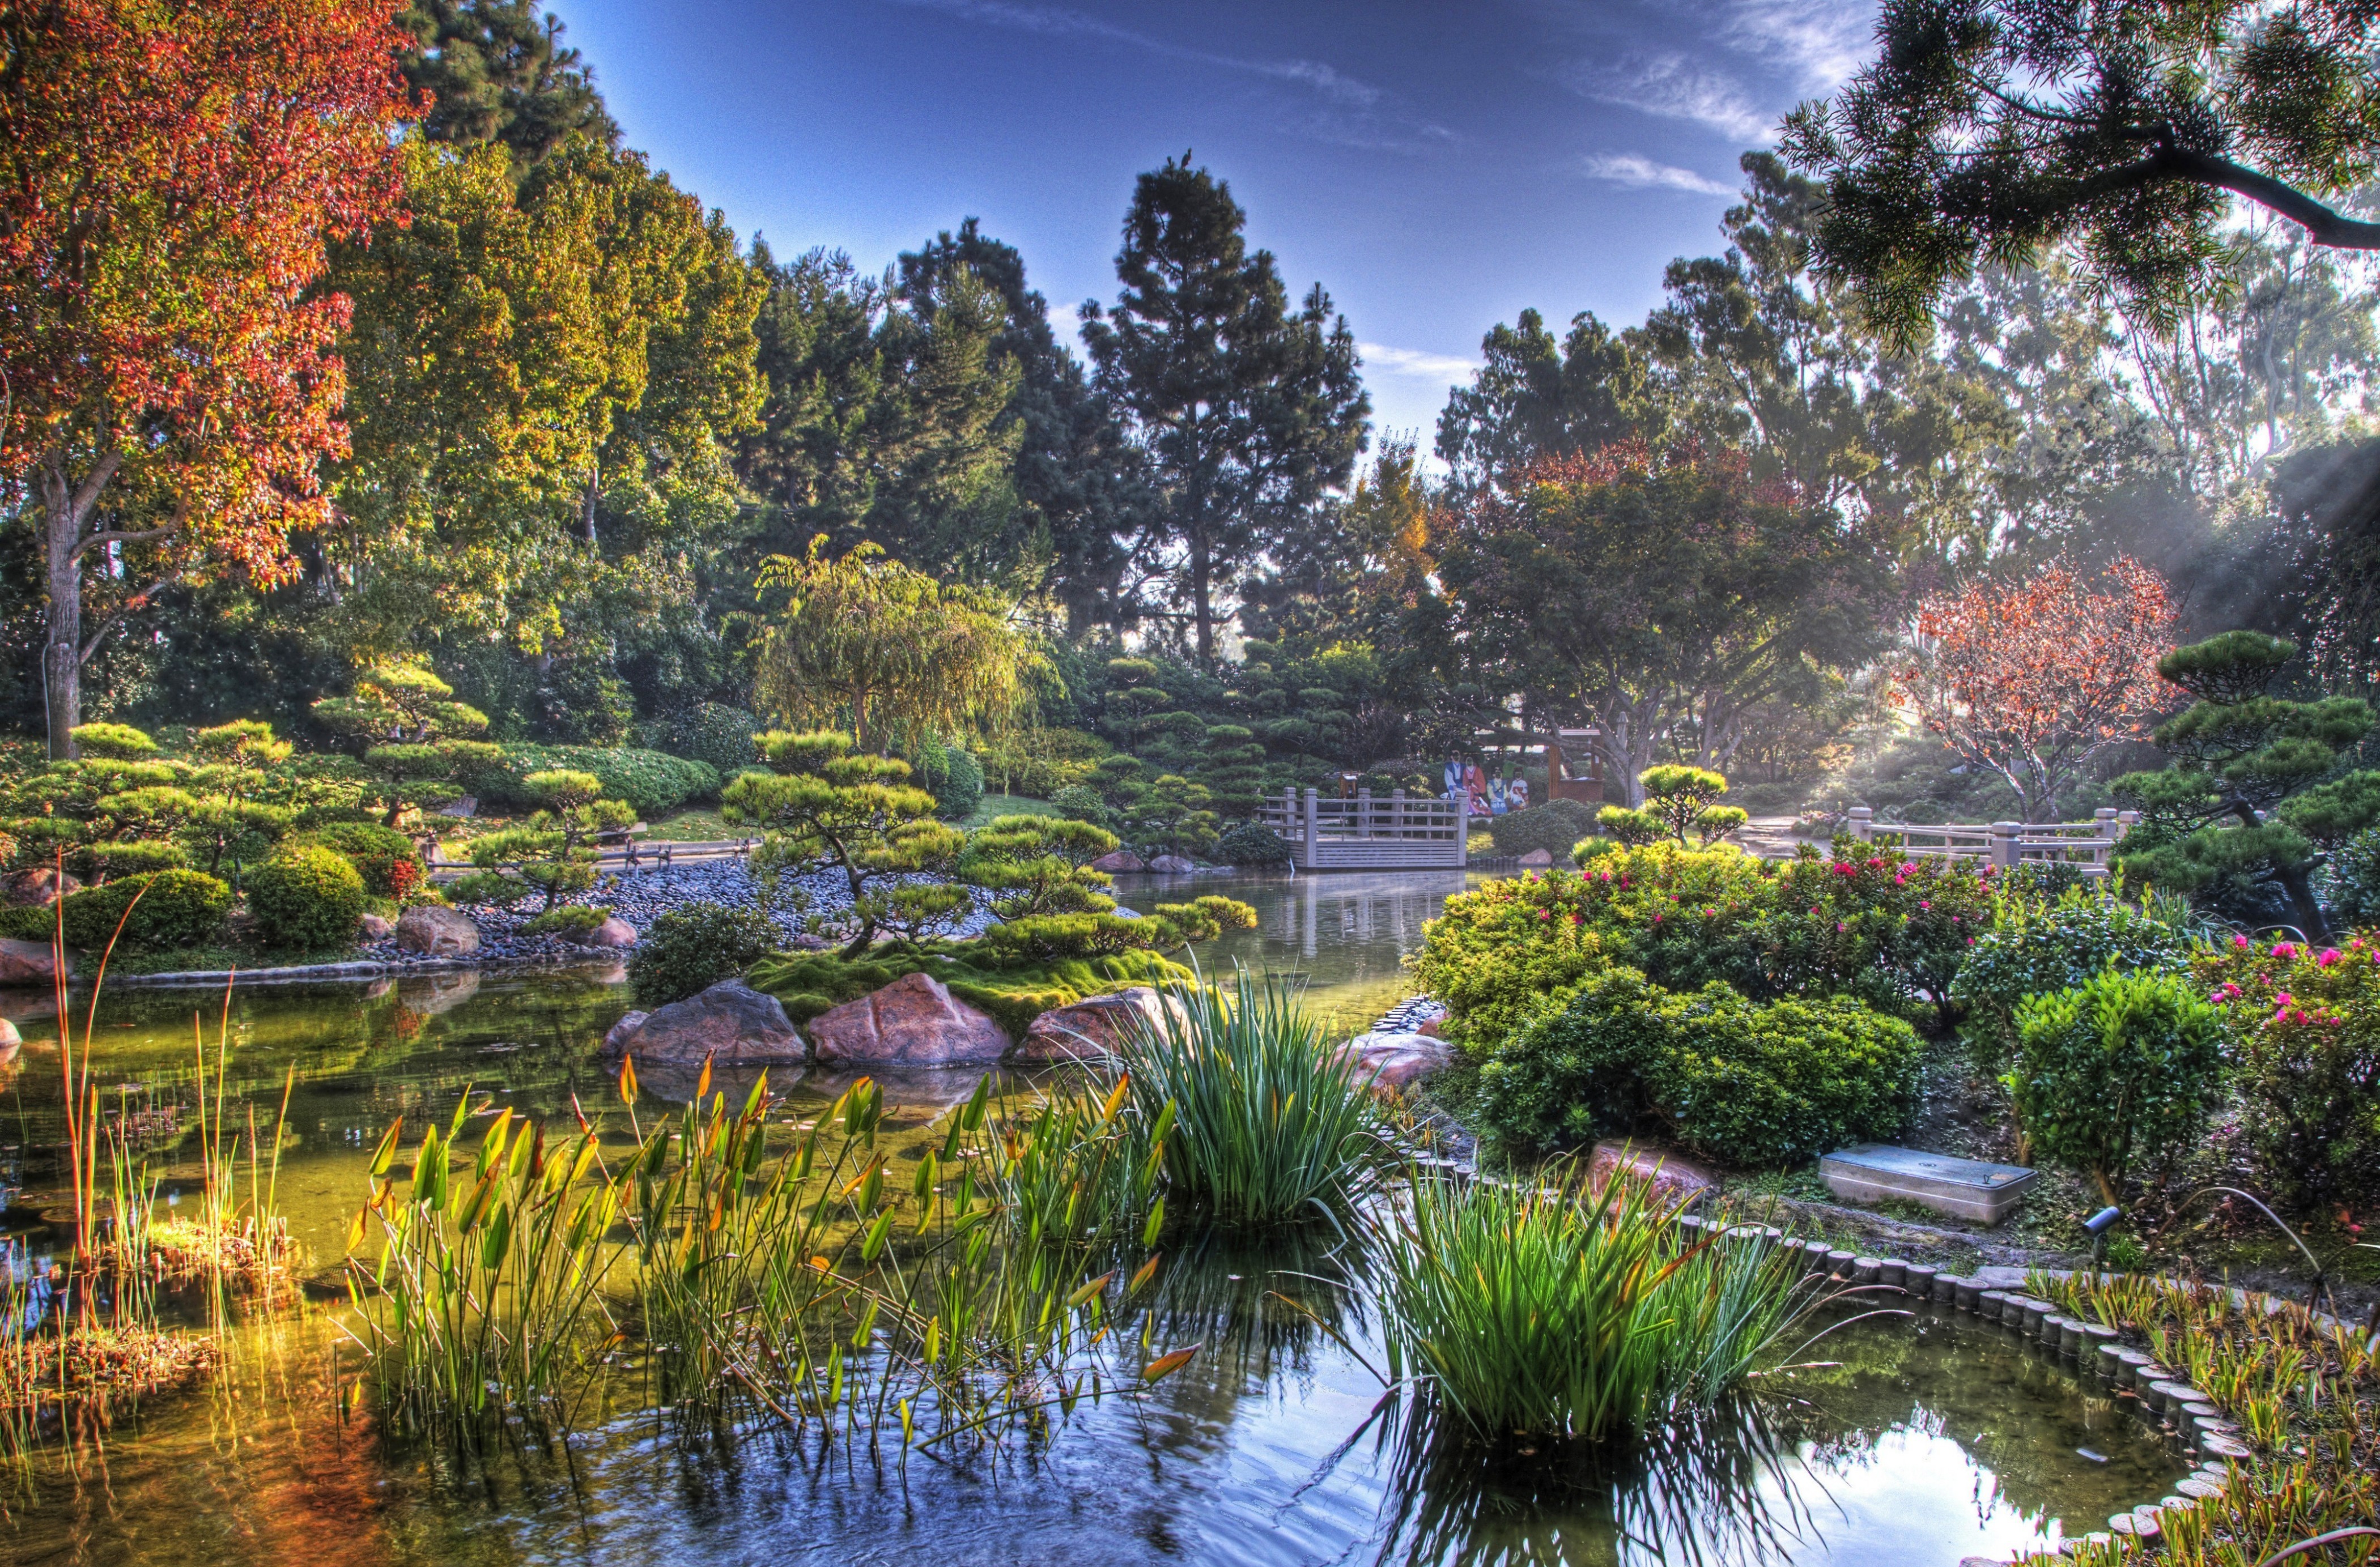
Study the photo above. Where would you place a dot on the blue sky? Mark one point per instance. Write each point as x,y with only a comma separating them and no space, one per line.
1438,168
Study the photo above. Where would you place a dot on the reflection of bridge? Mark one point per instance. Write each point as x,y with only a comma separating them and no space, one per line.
1354,912
1367,832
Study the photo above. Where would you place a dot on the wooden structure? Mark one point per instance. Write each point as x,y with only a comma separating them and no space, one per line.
1574,777
2086,845
1398,833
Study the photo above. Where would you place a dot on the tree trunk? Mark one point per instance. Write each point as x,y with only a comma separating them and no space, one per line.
65,506
1201,594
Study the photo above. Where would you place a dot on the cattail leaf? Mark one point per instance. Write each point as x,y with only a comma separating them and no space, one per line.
1164,1365
385,1154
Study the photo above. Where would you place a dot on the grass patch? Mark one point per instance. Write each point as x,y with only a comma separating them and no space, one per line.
1546,1311
1269,1127
694,825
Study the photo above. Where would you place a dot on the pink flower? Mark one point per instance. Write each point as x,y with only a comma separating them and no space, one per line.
2283,999
1925,905
2329,956
1845,868
2239,943
1971,941
1839,925
1657,920
1876,864
2283,949
1544,915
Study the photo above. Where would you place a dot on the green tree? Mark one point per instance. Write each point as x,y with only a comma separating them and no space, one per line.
414,733
1246,410
1987,129
555,851
2260,790
899,656
1539,397
497,72
824,807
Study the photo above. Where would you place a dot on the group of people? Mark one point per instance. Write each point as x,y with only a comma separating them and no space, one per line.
1489,797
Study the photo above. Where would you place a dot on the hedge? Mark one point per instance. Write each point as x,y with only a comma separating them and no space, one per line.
176,908
654,784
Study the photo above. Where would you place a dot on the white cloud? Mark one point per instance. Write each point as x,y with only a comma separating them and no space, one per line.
1825,42
1412,361
1675,88
1638,172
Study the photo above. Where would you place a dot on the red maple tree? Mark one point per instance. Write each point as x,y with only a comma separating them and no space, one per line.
171,175
2030,679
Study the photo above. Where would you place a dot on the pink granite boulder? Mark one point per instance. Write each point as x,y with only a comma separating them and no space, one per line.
1122,859
613,932
729,1024
1091,1030
912,1022
28,963
1675,1180
1391,1063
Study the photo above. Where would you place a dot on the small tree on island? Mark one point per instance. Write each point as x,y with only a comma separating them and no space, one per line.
2030,680
553,852
416,735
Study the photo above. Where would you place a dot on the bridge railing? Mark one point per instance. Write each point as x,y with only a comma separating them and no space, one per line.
1368,829
2089,846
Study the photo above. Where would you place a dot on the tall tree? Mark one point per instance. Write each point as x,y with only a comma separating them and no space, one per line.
1657,591
1990,129
170,180
498,72
1076,475
1539,397
1248,412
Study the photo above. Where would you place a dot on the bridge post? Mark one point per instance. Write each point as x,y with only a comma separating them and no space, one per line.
1462,829
1363,813
1862,822
1313,828
1396,815
2004,850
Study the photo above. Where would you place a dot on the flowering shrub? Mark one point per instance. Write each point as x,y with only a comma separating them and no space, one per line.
2305,1047
1866,923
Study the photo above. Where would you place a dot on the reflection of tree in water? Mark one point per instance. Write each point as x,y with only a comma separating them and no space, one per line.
1228,1294
1705,1489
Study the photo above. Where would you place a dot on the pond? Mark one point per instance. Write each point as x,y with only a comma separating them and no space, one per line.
1922,1440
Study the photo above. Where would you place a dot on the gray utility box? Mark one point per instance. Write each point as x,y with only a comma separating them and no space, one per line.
1960,1188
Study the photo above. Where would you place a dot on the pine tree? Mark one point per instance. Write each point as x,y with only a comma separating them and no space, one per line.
498,72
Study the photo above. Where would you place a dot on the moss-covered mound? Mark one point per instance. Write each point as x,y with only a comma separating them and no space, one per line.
809,983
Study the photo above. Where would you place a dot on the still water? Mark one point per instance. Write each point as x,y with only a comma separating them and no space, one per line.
1922,1440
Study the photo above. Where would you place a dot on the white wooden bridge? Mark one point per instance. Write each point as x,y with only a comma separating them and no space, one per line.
2088,846
1397,832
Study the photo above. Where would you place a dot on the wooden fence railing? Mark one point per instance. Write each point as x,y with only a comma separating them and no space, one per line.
1396,832
2086,845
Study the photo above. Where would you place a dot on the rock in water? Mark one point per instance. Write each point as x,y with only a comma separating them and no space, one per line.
912,1022
1171,864
374,928
1122,859
437,932
1537,857
613,932
1091,1029
731,1023
1393,1063
28,963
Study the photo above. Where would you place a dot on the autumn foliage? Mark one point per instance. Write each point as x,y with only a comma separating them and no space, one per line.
2028,679
171,175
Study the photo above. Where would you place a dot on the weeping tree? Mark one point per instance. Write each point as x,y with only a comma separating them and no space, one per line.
867,642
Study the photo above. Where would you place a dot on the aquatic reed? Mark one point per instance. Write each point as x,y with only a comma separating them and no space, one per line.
1549,1310
1271,1125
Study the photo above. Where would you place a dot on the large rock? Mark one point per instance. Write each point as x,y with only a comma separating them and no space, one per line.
1122,859
1171,864
1676,1180
613,932
1393,1063
37,888
374,928
28,963
731,1023
1091,1030
912,1022
1537,857
437,931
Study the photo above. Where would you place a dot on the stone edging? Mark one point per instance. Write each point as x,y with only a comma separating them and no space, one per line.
2092,1350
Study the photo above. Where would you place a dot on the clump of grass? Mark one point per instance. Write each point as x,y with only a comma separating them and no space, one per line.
1271,1126
1549,1310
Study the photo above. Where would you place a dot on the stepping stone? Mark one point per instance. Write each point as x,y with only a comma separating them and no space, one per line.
1957,1189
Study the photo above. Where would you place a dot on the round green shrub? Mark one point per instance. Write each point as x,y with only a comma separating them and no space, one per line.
719,735
175,909
1082,803
306,898
952,777
2121,1067
1251,843
2039,945
694,947
376,851
1547,827
1749,1085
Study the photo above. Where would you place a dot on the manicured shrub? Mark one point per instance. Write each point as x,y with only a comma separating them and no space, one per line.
719,735
1083,804
2305,1044
2037,944
389,862
129,856
175,909
2120,1067
2352,887
1634,829
572,920
113,742
1539,827
952,777
695,946
307,898
654,784
1680,798
1734,1080
1498,955
1251,844
1862,921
